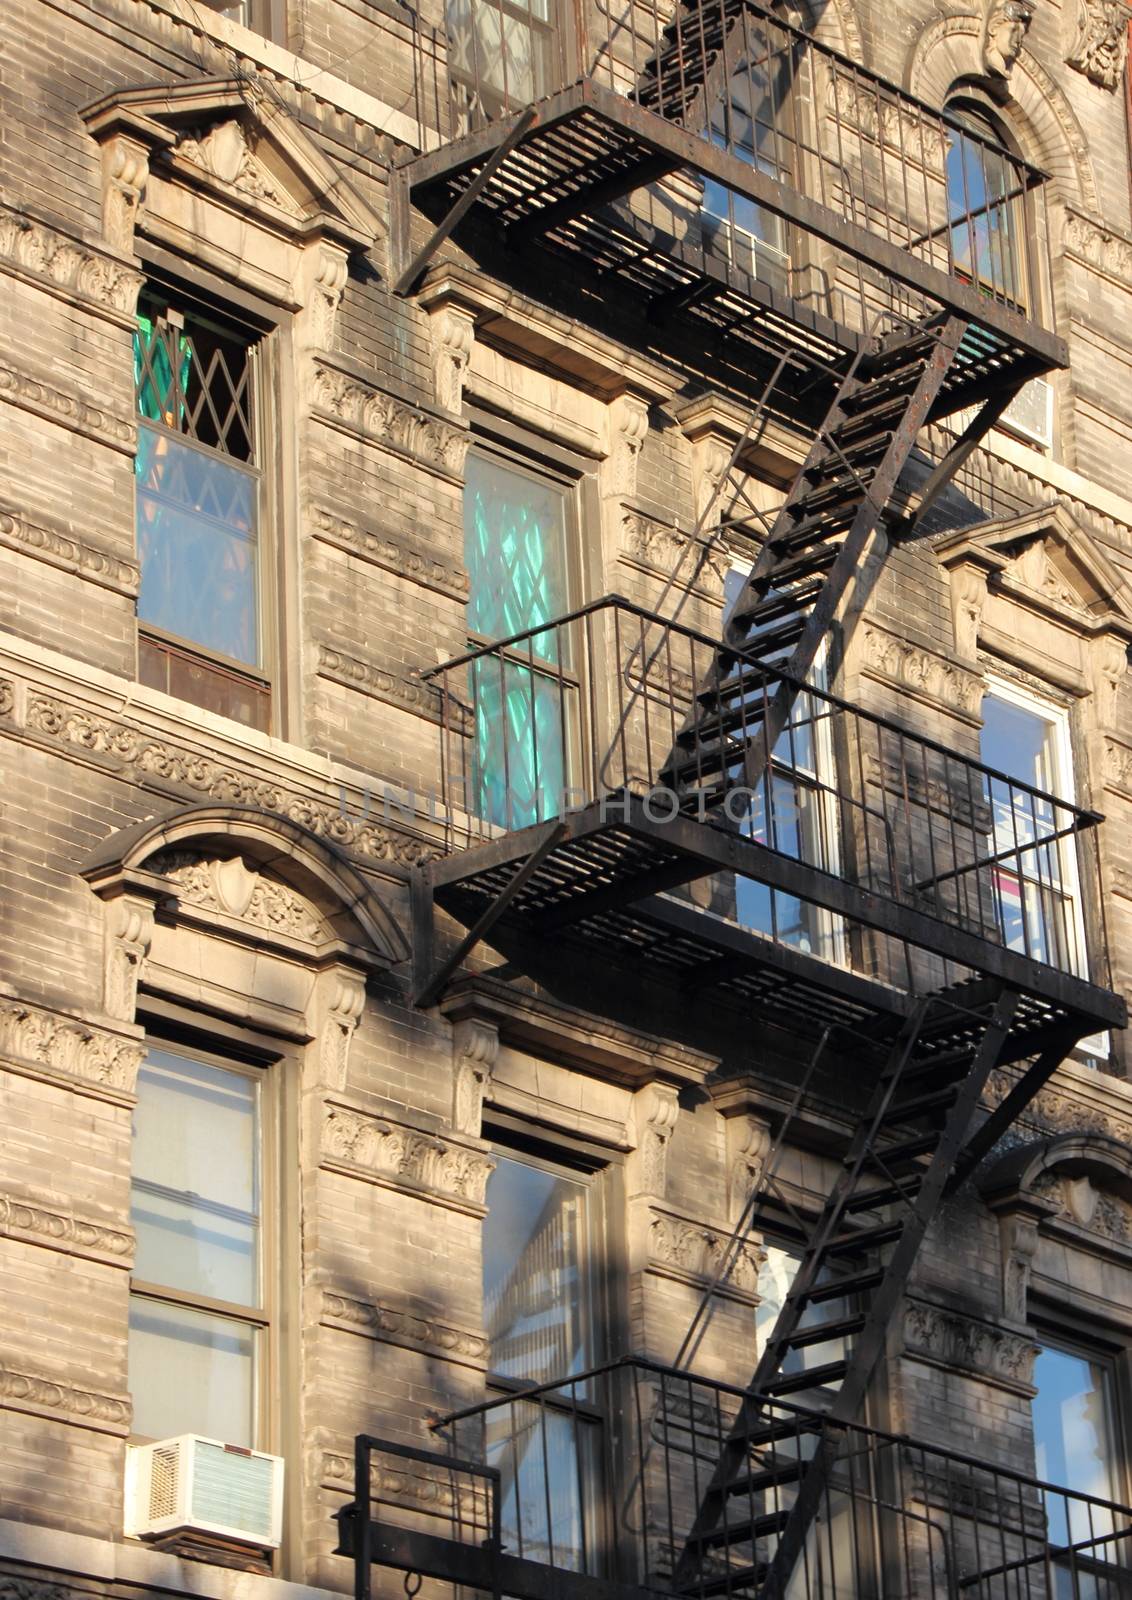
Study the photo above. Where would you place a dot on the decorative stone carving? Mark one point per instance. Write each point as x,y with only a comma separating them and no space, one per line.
1117,765
1018,1230
62,550
664,549
340,998
916,139
419,1489
369,678
656,1108
26,1391
920,671
953,1341
711,457
66,1046
475,1050
370,413
698,1250
1004,34
968,597
1109,662
40,1223
402,1326
1098,1211
237,890
1100,42
326,270
1096,244
224,152
62,263
404,1156
7,697
129,934
125,173
68,410
452,330
628,430
1033,568
390,552
748,1146
174,771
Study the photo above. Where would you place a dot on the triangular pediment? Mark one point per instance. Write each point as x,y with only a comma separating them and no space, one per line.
1046,561
218,134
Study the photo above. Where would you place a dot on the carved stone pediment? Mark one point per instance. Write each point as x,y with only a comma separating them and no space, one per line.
1048,563
219,134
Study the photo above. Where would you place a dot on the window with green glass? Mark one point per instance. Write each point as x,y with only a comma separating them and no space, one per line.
516,547
198,510
199,1318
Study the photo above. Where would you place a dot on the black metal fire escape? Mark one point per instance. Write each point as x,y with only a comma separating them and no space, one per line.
556,177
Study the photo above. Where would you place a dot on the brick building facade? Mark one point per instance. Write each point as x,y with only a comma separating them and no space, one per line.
274,1172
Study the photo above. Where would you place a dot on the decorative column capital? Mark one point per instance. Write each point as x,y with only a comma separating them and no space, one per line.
323,273
656,1108
130,900
1108,662
452,330
126,140
628,430
475,1050
748,1147
968,597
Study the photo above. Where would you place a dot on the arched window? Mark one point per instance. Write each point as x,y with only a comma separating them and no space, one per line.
986,205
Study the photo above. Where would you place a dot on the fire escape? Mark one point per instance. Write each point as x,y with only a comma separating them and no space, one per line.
813,238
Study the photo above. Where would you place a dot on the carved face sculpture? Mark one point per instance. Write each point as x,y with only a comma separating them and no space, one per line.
1006,30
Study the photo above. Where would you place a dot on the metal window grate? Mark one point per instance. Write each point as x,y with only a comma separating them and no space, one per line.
195,377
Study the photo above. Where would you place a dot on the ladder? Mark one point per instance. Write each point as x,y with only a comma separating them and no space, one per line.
753,1519
816,567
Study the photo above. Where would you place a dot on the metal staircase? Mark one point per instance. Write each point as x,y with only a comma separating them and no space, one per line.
816,567
686,77
754,1517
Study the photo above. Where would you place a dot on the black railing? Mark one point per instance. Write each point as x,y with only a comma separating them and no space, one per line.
591,705
794,109
600,1476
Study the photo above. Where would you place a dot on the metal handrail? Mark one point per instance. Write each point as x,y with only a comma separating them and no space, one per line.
1086,817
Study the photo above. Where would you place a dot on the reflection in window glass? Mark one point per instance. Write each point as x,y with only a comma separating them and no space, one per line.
735,228
191,1373
500,55
983,208
1074,1442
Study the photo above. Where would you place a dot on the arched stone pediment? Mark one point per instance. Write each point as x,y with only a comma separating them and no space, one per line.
237,859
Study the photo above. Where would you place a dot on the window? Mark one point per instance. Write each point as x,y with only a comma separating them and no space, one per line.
985,202
266,17
1035,887
747,122
501,57
201,604
542,1314
1076,1447
795,813
198,1320
517,537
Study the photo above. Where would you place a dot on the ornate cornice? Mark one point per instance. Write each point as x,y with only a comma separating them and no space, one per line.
368,678
362,408
389,552
948,1339
173,770
401,1325
1053,1112
693,1252
395,1156
66,408
658,547
64,1047
70,554
43,1223
45,1396
919,672
67,267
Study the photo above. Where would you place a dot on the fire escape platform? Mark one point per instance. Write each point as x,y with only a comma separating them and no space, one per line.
598,876
561,179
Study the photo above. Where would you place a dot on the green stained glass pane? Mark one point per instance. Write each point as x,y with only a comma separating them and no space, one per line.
515,551
519,772
159,398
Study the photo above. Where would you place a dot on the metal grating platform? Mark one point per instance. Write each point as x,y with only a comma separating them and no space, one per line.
563,187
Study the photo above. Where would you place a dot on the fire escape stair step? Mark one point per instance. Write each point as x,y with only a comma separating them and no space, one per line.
908,1150
883,417
813,531
885,1194
735,1581
860,457
870,396
894,350
730,1534
806,1378
838,1288
865,1239
823,1332
778,603
780,1472
922,1105
834,494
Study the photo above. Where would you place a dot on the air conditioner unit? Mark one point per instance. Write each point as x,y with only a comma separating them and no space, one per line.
196,1484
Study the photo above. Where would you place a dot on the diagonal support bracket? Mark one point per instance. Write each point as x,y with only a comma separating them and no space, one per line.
434,986
411,276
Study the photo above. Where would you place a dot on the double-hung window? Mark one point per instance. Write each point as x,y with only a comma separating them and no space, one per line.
986,207
502,56
199,493
542,1314
518,532
1035,885
200,1324
746,122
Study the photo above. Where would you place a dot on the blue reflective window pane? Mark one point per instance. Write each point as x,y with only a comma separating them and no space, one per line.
1074,1444
197,545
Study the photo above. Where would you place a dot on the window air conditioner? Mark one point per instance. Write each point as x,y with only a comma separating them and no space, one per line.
206,1487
